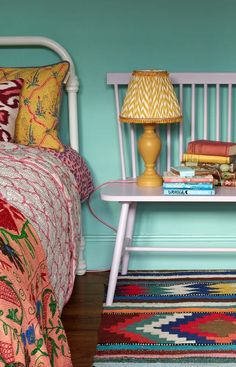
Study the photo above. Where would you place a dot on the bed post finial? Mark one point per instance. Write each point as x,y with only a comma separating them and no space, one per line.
72,85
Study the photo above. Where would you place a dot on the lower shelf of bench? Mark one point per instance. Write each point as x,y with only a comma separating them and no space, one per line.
130,192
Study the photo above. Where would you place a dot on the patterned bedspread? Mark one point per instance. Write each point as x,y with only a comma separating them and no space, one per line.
44,190
31,332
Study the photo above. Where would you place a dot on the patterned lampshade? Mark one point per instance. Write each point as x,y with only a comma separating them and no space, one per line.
150,98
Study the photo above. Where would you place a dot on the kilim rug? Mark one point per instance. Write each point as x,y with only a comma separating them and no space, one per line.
170,319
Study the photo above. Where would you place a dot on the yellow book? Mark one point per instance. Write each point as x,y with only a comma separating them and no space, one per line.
187,157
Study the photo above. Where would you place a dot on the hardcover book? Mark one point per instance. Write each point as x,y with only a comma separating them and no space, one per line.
203,171
183,171
225,167
189,192
171,177
211,147
216,173
228,175
206,158
230,182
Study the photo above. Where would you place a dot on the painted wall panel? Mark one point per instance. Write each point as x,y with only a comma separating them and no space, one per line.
109,35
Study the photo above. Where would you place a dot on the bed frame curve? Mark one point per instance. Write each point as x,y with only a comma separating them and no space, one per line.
72,83
72,87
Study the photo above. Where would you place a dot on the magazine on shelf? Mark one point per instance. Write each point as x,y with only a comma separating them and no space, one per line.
188,185
171,177
185,192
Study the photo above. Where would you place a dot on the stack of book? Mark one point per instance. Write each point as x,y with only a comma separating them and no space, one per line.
213,157
182,180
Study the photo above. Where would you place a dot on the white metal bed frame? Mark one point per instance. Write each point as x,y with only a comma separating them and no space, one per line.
129,194
71,86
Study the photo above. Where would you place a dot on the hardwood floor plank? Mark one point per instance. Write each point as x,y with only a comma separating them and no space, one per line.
81,316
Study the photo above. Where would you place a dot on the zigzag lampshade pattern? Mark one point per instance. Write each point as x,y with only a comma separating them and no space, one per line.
150,98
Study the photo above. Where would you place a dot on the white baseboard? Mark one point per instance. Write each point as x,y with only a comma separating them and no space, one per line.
99,250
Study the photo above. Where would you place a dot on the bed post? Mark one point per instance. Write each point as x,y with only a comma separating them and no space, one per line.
72,87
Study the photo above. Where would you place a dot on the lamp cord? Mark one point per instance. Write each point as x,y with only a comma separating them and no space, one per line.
98,188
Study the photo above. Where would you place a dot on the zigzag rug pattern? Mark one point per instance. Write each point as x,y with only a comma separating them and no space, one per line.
170,318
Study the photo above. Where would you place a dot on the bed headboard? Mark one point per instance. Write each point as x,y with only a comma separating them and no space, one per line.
72,83
208,102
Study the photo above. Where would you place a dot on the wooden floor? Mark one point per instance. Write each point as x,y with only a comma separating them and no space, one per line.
81,316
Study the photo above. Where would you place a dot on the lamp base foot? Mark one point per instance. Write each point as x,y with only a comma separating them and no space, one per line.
149,181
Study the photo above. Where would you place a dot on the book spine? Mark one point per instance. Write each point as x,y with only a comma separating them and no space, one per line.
188,179
227,175
231,167
183,171
205,158
186,185
228,182
228,167
185,192
200,147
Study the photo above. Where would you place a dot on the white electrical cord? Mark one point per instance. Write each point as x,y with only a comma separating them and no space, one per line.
96,189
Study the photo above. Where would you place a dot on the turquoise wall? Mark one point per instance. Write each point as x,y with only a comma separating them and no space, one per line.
120,36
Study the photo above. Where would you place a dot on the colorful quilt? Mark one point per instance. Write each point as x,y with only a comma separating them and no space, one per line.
45,191
31,332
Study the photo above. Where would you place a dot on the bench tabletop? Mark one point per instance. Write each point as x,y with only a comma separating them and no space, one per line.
130,192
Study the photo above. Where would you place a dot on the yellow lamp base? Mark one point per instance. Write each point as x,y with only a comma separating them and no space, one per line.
149,146
154,180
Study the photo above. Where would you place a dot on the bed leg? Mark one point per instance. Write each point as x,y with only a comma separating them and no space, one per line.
81,267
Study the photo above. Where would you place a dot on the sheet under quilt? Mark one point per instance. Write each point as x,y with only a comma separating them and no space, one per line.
44,191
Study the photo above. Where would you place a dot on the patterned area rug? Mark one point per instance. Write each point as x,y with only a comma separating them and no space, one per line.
170,319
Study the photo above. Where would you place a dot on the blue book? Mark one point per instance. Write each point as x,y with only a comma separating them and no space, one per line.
188,185
183,171
184,192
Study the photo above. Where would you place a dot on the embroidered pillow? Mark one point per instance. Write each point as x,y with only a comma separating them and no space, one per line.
39,107
9,106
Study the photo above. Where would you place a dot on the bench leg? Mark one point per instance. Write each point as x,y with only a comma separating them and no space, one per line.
117,253
128,237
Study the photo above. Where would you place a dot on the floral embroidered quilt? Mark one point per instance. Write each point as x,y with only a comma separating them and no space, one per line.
45,191
31,332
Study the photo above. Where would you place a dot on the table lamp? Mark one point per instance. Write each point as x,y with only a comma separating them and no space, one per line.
150,100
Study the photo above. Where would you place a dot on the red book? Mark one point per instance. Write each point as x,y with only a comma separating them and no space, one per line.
211,147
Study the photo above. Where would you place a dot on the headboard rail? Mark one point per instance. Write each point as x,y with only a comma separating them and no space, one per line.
208,102
72,83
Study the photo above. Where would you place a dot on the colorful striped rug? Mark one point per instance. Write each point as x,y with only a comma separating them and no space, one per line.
170,319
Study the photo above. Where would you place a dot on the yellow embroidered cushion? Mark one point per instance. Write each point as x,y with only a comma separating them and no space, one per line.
39,105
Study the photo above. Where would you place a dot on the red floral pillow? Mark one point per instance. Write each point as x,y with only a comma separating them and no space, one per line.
79,168
9,106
